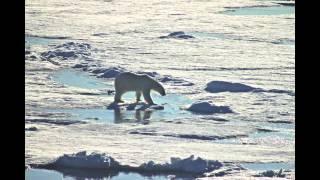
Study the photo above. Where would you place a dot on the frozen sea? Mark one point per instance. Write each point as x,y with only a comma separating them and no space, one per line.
246,48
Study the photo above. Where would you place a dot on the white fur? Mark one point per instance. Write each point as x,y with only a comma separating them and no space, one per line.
141,84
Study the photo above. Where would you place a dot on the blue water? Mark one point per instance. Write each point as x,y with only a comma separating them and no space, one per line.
280,130
79,79
285,135
171,103
271,10
269,166
209,35
286,42
43,174
32,40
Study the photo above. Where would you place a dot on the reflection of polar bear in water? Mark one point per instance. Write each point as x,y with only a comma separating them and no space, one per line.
128,81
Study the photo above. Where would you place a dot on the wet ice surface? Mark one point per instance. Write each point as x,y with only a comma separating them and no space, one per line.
79,79
268,166
75,52
31,40
171,103
271,10
70,174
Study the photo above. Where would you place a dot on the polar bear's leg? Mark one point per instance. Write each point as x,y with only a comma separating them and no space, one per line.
147,97
138,95
117,97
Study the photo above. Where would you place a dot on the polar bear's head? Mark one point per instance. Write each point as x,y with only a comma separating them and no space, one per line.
159,88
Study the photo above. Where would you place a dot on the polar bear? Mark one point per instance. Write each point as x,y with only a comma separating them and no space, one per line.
128,81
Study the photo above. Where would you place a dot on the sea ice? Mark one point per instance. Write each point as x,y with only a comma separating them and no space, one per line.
222,86
175,81
188,165
68,50
177,35
271,173
110,73
55,121
80,66
31,129
152,74
208,108
98,70
83,160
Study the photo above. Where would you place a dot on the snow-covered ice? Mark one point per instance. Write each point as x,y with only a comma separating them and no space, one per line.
208,108
228,73
94,160
177,35
85,161
188,165
222,86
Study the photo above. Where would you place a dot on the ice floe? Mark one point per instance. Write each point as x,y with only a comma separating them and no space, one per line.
280,122
81,51
169,57
271,173
80,66
227,170
84,160
94,160
207,107
177,35
188,165
223,86
31,129
69,50
111,73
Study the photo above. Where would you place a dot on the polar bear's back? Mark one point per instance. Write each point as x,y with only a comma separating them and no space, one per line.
128,81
